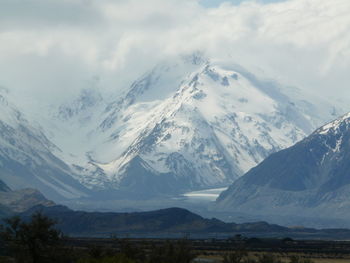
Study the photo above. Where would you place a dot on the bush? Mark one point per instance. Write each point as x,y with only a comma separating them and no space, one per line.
34,242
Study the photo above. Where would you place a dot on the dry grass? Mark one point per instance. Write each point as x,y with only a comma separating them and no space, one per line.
316,258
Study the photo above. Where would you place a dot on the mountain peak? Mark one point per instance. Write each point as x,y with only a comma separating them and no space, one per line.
195,58
198,126
187,124
336,125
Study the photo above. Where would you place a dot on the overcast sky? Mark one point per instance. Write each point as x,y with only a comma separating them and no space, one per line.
49,49
216,3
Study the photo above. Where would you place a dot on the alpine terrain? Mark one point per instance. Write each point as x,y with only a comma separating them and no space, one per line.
185,125
188,124
27,159
309,179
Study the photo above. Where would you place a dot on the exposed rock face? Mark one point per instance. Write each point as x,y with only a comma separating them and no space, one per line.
311,178
186,125
27,157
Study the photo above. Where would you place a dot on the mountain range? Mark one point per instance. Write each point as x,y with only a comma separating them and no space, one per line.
170,222
27,157
185,125
309,179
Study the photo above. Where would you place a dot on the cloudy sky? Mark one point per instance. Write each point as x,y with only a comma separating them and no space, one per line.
49,49
216,3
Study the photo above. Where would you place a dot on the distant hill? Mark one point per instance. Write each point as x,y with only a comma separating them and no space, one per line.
20,200
171,222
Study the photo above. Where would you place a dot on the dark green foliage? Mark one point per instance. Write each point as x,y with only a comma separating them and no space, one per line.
36,241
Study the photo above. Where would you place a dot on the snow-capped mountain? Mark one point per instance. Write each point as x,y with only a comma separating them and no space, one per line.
311,178
27,159
185,125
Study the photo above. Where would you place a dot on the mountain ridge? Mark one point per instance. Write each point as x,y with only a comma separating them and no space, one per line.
192,125
311,176
27,157
187,124
169,222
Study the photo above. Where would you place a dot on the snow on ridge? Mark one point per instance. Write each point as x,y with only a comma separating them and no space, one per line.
247,123
334,125
190,118
27,156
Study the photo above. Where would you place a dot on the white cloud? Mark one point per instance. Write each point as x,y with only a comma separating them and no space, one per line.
50,48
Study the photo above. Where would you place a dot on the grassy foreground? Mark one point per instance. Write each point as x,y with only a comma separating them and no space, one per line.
37,241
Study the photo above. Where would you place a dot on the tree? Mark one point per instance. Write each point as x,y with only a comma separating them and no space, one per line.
36,241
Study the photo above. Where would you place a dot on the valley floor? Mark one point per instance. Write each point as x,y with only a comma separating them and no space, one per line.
213,250
315,258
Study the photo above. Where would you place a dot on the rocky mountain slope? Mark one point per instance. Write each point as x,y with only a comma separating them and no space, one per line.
4,187
185,125
311,178
27,158
188,124
18,201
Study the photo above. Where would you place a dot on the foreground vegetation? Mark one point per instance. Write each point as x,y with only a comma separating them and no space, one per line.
37,241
